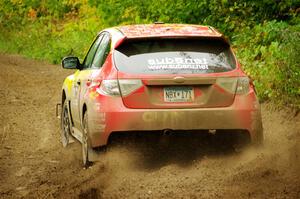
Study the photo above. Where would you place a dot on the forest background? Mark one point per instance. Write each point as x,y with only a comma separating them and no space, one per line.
265,34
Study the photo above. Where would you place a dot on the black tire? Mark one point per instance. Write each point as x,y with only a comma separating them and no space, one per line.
65,124
86,147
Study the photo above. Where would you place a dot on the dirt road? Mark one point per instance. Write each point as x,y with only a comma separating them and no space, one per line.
33,164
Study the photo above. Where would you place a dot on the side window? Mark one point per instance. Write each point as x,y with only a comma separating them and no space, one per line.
102,52
90,55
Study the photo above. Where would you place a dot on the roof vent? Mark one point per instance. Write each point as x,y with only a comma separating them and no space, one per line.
159,22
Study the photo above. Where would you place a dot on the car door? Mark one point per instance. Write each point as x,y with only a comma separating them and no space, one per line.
91,65
80,79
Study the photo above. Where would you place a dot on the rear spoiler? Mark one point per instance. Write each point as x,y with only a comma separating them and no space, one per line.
221,38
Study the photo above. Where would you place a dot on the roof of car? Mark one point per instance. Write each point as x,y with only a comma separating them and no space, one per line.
167,30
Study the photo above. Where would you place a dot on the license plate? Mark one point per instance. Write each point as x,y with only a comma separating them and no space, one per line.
178,94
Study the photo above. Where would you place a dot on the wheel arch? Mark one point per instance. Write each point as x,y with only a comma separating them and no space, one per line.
63,96
84,109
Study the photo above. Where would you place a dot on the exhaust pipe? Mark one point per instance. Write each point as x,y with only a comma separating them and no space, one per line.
167,132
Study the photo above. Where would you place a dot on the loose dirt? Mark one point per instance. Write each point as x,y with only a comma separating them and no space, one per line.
33,163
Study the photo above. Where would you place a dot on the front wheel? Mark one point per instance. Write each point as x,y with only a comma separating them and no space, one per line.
86,147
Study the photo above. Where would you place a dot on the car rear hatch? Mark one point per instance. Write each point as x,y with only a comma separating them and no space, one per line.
176,73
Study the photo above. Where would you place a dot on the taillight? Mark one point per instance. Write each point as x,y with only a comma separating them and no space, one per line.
243,85
113,87
238,85
109,87
228,84
127,86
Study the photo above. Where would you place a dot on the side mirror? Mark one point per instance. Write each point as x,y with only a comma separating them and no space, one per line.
71,63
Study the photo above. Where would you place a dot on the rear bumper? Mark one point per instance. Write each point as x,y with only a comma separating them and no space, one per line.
108,115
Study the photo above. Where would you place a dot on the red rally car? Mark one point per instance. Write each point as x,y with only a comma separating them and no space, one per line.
157,77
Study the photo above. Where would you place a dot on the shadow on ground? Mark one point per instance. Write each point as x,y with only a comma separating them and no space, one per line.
155,150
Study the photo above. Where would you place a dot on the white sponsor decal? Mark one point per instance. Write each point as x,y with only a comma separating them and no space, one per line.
177,63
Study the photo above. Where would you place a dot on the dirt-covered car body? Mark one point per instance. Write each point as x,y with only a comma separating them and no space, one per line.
158,77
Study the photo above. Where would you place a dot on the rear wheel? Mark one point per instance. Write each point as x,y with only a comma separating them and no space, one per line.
86,147
65,124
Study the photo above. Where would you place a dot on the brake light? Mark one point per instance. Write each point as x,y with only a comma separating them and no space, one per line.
109,87
238,85
116,87
127,86
228,84
243,85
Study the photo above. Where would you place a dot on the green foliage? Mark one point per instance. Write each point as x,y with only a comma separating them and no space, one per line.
269,53
226,15
265,33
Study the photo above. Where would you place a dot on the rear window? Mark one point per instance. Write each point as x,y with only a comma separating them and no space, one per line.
174,56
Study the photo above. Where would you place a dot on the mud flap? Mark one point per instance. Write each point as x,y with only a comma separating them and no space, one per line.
58,110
